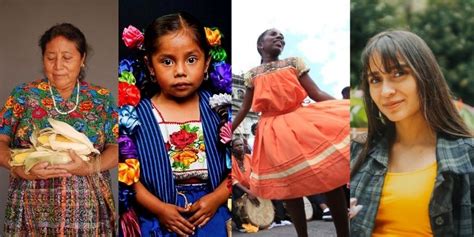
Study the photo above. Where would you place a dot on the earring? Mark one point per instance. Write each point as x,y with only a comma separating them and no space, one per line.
381,117
83,65
206,76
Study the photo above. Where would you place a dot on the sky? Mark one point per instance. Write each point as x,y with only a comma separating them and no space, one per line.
317,31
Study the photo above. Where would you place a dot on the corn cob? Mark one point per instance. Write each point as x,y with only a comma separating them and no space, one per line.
52,145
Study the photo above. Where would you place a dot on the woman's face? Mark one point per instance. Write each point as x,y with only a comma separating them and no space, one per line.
393,90
178,65
272,42
62,62
238,146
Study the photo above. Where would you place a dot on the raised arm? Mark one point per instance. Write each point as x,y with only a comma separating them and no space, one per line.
313,90
246,104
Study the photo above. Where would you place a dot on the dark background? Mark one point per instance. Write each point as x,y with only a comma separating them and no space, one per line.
211,13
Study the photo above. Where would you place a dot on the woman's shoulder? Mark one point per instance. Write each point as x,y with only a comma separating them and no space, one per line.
455,143
455,154
271,67
103,91
38,83
357,144
31,86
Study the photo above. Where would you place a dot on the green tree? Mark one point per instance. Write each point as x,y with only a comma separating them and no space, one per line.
368,17
447,26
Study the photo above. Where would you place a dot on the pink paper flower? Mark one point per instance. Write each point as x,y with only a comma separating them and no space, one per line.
132,37
226,133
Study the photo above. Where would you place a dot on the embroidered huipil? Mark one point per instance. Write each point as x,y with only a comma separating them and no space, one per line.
184,143
73,206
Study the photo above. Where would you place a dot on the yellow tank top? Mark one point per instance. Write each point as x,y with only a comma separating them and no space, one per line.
404,204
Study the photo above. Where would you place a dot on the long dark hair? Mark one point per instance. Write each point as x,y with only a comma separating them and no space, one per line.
164,25
435,97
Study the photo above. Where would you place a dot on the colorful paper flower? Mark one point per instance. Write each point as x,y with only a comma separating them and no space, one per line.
129,171
128,119
213,36
125,195
226,133
221,77
128,94
126,65
132,37
127,77
127,148
218,54
219,100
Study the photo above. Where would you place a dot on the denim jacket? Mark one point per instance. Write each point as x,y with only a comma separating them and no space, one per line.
451,208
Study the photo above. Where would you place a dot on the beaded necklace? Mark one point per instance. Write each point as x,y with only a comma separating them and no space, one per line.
54,99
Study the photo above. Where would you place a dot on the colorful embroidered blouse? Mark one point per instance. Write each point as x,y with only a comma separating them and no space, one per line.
72,206
30,105
185,145
293,62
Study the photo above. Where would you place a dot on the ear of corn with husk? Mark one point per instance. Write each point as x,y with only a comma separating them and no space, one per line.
52,145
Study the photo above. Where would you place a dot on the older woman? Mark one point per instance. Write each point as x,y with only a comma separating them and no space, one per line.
72,199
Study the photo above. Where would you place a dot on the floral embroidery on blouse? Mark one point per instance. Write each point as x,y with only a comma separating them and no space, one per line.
30,105
186,149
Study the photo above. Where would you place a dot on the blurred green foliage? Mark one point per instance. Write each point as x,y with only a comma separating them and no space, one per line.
447,26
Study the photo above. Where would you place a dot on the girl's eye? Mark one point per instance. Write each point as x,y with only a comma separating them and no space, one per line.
167,61
192,60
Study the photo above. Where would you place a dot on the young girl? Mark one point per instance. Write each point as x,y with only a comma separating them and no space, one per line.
182,188
413,175
298,150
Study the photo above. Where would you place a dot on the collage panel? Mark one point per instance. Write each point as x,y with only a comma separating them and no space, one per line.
57,93
412,118
291,118
174,97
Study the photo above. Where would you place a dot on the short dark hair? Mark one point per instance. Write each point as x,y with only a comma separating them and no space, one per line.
70,32
253,128
345,92
259,40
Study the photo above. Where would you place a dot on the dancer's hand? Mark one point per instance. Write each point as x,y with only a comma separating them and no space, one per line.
204,209
253,199
173,221
354,208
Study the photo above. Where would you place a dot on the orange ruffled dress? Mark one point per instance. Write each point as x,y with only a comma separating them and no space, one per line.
298,150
